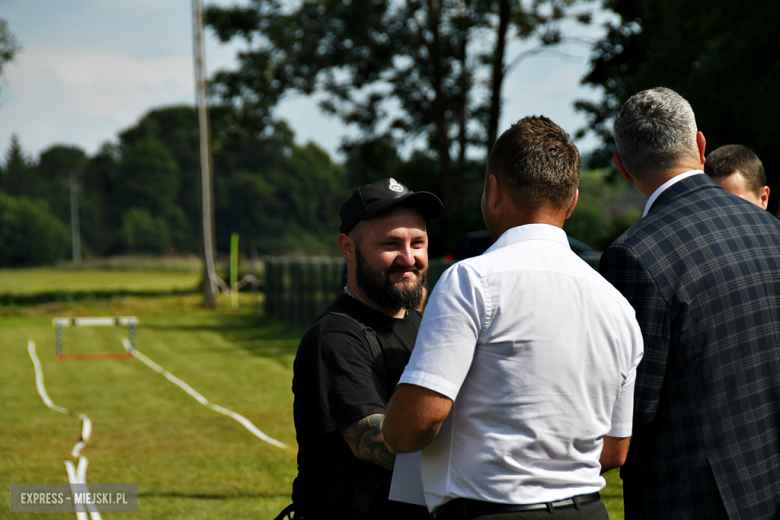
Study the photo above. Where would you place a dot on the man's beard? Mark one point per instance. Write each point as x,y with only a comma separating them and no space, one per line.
378,286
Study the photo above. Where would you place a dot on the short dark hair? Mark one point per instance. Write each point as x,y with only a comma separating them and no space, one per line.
537,162
730,158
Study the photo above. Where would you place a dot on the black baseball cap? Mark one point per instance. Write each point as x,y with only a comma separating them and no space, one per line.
371,200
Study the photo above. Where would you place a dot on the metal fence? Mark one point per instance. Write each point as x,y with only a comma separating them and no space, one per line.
298,289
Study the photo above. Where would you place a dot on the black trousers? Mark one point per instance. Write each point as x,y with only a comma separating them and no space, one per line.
588,511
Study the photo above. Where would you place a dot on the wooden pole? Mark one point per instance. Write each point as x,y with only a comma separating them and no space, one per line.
210,285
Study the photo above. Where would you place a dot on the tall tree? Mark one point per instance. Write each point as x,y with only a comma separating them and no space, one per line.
9,45
277,195
19,174
54,168
149,182
176,128
720,56
101,217
398,70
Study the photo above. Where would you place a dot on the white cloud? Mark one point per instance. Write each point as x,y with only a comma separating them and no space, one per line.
86,96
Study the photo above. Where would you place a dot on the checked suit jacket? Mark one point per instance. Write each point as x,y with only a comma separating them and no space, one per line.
702,271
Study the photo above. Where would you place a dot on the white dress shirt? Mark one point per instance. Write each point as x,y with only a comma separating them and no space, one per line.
538,353
665,186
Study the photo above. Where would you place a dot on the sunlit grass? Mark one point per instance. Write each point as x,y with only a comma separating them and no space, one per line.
47,280
137,262
188,461
612,495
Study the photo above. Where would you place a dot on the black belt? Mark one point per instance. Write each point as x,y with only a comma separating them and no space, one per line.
466,508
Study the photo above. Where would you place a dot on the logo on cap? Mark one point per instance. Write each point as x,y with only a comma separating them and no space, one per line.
395,185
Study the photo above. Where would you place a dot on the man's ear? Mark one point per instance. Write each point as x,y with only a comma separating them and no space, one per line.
621,168
574,203
347,246
496,191
701,144
763,197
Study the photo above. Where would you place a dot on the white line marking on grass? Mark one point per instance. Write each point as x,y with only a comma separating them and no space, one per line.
246,423
86,428
75,475
79,476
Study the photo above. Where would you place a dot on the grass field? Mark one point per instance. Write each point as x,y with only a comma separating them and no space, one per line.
188,461
33,281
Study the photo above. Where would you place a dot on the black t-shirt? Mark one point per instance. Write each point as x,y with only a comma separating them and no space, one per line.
336,383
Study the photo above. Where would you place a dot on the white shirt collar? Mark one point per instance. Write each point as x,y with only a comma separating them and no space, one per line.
530,232
663,187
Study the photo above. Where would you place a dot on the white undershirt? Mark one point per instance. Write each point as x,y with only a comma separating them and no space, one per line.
663,187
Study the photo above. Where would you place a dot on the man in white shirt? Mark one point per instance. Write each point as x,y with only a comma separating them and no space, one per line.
520,385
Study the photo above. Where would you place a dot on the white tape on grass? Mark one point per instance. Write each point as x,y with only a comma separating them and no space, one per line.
86,424
246,423
75,475
79,476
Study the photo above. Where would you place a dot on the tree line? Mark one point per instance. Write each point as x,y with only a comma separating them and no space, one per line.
414,74
141,194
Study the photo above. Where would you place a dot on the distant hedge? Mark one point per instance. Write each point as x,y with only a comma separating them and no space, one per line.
8,300
29,233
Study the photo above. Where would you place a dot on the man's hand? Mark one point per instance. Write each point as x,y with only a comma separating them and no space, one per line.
613,454
413,418
366,441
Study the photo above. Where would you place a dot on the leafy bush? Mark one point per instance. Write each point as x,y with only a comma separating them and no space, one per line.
598,219
143,233
29,233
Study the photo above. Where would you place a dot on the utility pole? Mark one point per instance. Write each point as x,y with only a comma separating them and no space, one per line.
74,217
210,288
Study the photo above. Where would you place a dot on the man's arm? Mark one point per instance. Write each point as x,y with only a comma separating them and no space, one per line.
366,441
413,418
614,452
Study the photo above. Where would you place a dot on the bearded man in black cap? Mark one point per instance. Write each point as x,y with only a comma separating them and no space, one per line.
351,358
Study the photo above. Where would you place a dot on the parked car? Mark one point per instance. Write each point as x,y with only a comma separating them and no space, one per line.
477,242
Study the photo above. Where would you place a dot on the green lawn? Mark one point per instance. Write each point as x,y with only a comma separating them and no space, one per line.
188,461
43,280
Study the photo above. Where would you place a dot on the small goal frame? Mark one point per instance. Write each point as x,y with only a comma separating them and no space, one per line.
103,321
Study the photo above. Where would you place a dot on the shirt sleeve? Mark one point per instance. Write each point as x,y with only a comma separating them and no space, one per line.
622,414
345,385
452,324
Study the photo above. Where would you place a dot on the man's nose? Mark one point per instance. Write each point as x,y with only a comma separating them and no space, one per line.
405,257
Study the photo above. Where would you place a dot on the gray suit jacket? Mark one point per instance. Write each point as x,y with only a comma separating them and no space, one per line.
702,271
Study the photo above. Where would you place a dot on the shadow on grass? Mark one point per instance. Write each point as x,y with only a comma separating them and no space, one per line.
258,335
12,300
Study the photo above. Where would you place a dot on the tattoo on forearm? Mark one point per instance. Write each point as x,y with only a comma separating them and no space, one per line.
367,442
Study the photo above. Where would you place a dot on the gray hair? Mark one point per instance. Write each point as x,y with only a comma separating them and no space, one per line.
654,130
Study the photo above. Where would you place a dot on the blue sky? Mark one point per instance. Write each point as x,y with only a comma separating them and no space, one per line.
92,68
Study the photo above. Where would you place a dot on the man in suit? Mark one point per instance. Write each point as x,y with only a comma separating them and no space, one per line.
702,271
